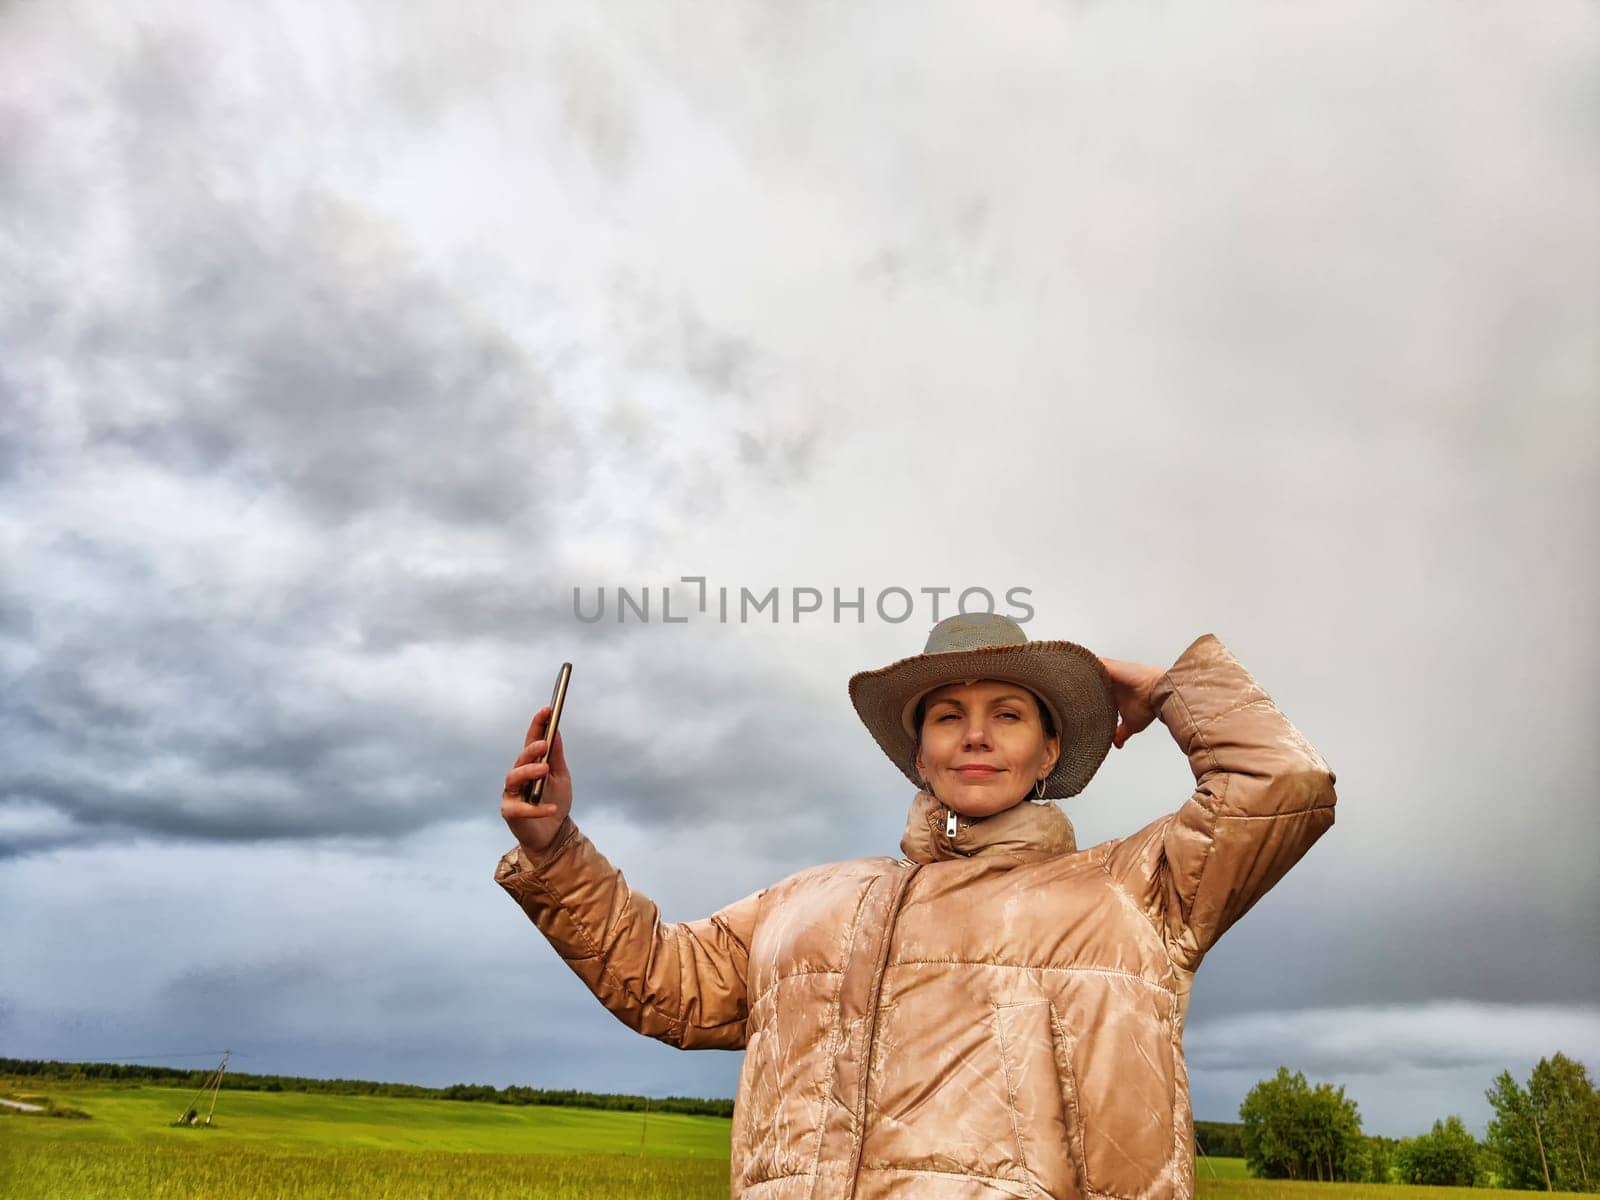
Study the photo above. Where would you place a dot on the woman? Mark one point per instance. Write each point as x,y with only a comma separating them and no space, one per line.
997,1013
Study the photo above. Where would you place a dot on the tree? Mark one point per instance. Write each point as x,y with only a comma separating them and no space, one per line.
1547,1135
1445,1157
1510,1139
1379,1159
1294,1131
1271,1142
1566,1112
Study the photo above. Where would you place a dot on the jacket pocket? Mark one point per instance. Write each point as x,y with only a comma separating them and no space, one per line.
1042,1099
1121,1057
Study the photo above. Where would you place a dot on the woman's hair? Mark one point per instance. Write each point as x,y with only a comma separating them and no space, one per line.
1045,719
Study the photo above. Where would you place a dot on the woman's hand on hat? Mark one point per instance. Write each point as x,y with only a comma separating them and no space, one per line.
535,825
1132,685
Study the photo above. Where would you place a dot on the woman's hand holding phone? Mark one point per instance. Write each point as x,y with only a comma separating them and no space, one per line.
535,825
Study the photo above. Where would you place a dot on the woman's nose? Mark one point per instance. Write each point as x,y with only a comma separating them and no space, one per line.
976,734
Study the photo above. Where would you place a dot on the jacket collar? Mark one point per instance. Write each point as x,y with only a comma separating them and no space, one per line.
1024,831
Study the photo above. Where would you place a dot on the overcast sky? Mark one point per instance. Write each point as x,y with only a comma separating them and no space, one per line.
340,343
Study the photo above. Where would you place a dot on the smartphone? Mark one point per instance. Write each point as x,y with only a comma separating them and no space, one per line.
558,700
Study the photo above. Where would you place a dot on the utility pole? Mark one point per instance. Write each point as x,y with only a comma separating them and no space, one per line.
191,1115
223,1066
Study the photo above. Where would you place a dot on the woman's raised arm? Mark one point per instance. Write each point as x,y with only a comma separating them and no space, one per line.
1262,796
684,984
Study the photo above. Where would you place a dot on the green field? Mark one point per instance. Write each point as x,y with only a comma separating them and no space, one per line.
313,1123
300,1146
1212,1168
62,1171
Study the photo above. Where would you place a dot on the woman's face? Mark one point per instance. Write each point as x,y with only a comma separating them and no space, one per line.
983,746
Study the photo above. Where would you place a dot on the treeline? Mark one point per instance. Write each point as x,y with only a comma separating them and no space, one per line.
1544,1135
1219,1139
477,1092
689,1105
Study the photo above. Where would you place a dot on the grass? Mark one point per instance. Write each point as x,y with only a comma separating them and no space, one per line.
299,1146
1211,1168
296,1146
63,1171
309,1123
1227,1179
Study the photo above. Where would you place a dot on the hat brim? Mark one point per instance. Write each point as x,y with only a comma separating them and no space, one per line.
1071,680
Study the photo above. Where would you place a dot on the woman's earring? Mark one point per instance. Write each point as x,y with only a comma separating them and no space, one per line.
1038,790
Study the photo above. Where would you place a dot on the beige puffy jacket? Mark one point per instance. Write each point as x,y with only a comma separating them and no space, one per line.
995,1014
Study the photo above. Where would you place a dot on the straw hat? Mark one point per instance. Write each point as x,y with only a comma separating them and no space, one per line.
1071,681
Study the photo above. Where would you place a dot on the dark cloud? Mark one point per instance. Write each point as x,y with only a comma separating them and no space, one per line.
279,351
178,726
243,995
352,384
286,340
1325,936
346,1029
157,715
1370,1040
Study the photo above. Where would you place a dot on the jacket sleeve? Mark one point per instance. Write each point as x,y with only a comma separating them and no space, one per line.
1262,796
684,984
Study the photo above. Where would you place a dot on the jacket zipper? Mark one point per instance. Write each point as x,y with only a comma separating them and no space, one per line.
949,822
892,916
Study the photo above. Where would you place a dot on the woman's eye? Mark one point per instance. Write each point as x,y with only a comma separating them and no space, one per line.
1012,715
